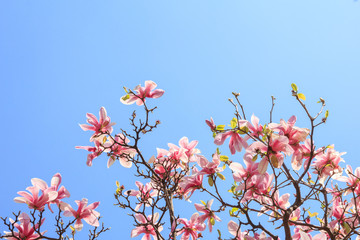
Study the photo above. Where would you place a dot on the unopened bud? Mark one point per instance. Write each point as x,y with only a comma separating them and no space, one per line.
158,122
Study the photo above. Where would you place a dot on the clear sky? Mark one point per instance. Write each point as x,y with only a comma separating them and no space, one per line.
62,59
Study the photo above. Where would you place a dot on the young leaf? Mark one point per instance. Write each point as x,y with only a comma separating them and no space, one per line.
233,123
301,96
224,158
220,176
294,87
210,181
203,202
312,214
326,113
220,127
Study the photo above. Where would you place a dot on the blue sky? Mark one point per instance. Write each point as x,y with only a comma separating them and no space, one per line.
62,59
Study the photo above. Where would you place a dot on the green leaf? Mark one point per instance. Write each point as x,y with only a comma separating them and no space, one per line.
301,96
218,151
220,176
312,214
210,181
212,221
203,202
233,123
254,158
224,158
219,233
220,127
233,210
294,87
326,113
126,97
320,220
214,134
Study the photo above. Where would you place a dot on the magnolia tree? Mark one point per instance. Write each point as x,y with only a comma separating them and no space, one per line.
283,186
40,195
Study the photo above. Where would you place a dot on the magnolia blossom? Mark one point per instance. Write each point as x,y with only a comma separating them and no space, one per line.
33,199
236,142
353,180
95,151
275,204
235,230
211,124
139,93
99,127
257,187
327,163
209,168
119,150
83,212
55,183
191,227
185,152
294,134
145,194
300,234
242,174
147,226
191,183
208,214
26,230
278,146
255,128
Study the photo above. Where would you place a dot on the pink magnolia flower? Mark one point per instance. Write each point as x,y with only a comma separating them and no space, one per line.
208,214
278,203
146,226
190,184
120,151
294,134
209,168
26,230
185,152
211,124
353,180
257,187
176,155
327,164
278,145
235,230
140,93
255,128
236,142
145,194
54,186
99,127
189,147
191,227
83,212
339,210
95,151
34,200
242,174
303,235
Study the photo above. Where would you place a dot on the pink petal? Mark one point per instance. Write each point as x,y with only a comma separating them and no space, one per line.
86,127
157,93
39,183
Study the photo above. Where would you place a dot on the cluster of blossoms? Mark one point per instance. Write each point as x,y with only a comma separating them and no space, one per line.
277,159
40,195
